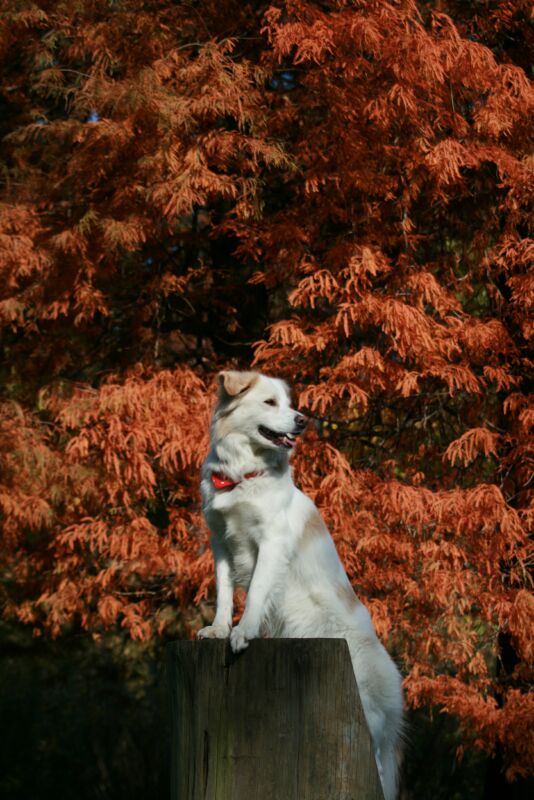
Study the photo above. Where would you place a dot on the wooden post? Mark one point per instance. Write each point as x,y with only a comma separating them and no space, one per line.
281,721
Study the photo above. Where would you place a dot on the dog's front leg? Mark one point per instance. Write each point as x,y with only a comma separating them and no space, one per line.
222,623
270,564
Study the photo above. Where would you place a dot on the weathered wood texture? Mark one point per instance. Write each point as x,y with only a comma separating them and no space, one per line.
281,721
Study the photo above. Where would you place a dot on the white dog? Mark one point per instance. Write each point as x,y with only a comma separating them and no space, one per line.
269,538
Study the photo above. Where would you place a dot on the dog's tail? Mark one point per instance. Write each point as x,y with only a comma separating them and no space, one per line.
389,760
388,765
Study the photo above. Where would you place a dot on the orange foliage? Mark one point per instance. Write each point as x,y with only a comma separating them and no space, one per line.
340,192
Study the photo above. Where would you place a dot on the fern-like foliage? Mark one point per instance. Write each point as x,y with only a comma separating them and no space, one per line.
338,192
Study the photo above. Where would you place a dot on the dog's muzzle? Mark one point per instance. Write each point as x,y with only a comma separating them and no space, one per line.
282,439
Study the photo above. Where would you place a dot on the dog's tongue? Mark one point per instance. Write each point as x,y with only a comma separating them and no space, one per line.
286,440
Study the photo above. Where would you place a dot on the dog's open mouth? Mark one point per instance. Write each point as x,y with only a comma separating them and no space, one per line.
281,439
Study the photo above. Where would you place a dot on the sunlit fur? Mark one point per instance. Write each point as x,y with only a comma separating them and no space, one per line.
269,538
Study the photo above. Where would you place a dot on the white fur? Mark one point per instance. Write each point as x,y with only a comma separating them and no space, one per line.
267,537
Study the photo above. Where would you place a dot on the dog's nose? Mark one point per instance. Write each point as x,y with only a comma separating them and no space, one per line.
301,421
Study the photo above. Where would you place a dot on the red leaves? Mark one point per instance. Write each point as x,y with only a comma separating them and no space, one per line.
447,158
119,448
477,441
369,169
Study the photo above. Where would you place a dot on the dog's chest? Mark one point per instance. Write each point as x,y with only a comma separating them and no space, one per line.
248,511
246,525
242,537
245,517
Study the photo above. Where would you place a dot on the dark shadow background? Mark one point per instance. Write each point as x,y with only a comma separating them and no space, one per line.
83,719
89,720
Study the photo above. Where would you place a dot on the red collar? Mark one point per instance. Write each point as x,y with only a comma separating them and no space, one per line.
222,481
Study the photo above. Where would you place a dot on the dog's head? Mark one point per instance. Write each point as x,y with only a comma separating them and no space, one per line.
259,408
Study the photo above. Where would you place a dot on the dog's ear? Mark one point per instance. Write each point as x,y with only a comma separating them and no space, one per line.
232,382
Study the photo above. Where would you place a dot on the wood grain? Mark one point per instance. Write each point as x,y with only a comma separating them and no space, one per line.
281,721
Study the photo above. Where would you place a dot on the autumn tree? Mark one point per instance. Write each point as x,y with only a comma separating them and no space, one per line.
339,192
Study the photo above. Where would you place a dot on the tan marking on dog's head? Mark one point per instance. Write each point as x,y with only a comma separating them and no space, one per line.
232,386
222,426
314,528
346,593
233,383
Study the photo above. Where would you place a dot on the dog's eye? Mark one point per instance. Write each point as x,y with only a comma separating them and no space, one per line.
270,402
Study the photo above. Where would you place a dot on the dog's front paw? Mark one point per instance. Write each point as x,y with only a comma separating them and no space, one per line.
214,632
240,637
